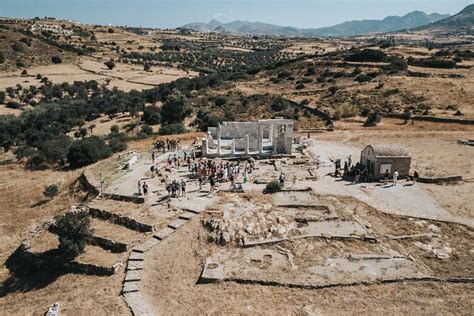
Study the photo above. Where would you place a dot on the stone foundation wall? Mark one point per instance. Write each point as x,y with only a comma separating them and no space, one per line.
128,222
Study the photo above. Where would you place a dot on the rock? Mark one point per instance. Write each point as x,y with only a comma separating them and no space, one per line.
443,253
434,228
421,223
308,310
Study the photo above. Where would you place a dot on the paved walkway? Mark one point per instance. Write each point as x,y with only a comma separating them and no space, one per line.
403,199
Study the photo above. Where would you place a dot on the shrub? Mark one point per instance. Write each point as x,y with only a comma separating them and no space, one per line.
116,144
333,89
110,30
373,119
344,111
56,59
20,64
146,129
110,64
2,97
25,151
51,191
114,129
220,101
300,86
2,57
13,105
279,104
73,230
362,78
367,55
272,187
37,162
171,129
432,63
18,46
151,115
87,151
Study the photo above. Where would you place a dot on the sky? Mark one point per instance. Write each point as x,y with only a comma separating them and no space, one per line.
175,13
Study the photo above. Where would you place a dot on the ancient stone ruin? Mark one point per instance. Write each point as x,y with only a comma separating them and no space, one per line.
263,138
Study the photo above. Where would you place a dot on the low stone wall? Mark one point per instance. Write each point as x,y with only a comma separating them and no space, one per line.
431,118
89,183
107,244
125,198
441,180
90,269
127,222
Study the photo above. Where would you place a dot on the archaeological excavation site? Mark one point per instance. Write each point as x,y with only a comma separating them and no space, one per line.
152,165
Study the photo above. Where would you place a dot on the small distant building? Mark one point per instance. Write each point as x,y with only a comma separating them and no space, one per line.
380,158
262,138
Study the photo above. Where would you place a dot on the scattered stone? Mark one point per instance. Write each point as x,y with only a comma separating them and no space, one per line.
308,310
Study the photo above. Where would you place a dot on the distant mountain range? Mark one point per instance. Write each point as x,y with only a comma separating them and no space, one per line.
463,22
352,28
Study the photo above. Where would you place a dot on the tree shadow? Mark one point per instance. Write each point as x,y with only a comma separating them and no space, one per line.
32,271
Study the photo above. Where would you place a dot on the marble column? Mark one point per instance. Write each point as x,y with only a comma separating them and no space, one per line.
260,139
232,148
247,144
205,147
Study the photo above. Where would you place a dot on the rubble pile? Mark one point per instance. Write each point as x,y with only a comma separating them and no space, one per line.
256,223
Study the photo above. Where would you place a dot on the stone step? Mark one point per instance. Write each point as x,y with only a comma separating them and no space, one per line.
133,275
177,223
133,286
187,215
146,245
135,265
136,256
163,233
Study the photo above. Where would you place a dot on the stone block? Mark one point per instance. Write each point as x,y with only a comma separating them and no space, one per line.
135,265
134,286
146,245
177,223
163,233
136,256
133,275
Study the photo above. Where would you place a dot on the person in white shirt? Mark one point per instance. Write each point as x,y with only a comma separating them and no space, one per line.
395,177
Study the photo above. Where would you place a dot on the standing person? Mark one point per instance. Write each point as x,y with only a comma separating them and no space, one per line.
145,188
282,179
200,183
349,160
153,157
183,187
139,187
232,182
395,177
415,177
152,170
212,182
385,178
